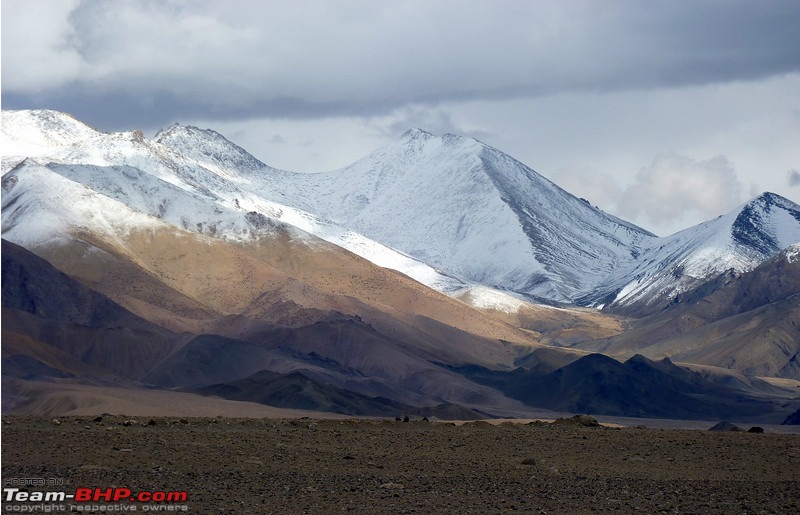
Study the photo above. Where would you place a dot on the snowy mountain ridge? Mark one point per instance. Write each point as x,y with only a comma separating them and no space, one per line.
457,204
449,211
153,179
738,241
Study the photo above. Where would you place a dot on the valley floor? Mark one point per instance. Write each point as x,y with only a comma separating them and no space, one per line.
368,466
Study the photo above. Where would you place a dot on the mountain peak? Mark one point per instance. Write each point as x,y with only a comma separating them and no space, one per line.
765,223
768,199
415,133
177,130
34,132
208,147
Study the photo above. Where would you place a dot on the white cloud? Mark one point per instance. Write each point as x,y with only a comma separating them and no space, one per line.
793,178
37,45
599,188
675,189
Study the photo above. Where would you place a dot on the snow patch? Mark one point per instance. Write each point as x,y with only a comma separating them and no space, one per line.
793,253
484,297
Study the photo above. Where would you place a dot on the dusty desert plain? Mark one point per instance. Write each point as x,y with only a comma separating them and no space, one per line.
332,465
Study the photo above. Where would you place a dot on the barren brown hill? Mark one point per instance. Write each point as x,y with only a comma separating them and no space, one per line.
275,279
48,316
562,326
748,322
302,302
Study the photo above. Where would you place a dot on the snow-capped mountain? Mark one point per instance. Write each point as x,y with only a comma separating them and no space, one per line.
221,261
738,241
206,188
33,133
460,205
474,212
449,211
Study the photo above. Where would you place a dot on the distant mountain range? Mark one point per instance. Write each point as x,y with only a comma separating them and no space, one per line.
183,262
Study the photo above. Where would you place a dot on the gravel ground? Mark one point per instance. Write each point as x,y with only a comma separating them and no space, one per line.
374,466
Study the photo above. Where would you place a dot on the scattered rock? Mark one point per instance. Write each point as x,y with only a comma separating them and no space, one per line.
56,422
470,468
98,419
537,423
479,423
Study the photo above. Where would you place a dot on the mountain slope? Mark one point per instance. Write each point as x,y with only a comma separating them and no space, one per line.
448,211
738,241
748,322
35,132
380,327
638,387
199,187
51,319
458,204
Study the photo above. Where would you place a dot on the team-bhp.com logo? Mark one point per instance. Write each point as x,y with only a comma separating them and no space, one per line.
121,494
82,497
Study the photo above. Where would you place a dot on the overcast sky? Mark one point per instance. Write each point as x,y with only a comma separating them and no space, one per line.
664,113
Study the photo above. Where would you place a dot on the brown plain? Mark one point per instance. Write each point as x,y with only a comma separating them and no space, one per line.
377,466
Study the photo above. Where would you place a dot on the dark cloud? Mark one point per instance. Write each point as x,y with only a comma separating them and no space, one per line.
148,63
119,110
